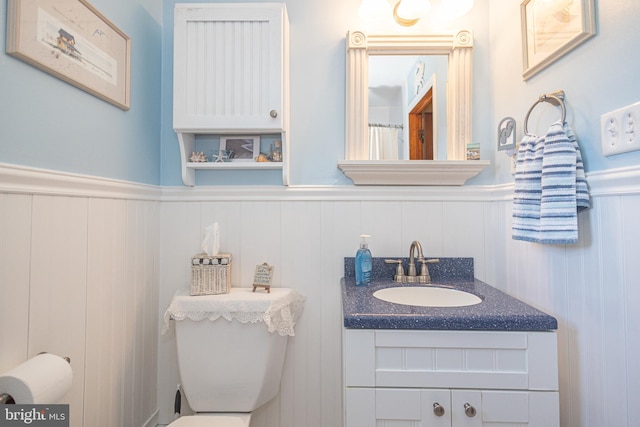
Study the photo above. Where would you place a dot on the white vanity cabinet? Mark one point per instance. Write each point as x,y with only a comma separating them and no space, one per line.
231,65
450,378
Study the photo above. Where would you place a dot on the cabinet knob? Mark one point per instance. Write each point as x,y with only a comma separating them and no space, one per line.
438,410
273,113
469,410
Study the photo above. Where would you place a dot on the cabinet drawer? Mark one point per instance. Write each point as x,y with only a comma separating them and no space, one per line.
451,359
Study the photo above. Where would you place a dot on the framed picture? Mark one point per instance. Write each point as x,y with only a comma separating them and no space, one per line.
473,151
72,41
241,148
551,29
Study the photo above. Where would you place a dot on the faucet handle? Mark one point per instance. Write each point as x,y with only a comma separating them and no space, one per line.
398,277
425,277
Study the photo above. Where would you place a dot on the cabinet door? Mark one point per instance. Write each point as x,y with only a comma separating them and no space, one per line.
397,407
489,408
229,67
369,407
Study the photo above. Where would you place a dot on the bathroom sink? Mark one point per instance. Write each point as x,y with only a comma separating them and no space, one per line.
427,296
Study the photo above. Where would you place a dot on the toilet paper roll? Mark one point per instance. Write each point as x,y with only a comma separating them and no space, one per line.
44,379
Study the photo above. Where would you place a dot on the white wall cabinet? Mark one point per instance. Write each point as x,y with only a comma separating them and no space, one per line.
231,77
450,378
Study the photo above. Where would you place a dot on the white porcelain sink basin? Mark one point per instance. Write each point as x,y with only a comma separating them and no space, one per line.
427,296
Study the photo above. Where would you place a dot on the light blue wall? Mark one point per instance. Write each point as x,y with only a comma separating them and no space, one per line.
599,76
47,123
140,145
317,44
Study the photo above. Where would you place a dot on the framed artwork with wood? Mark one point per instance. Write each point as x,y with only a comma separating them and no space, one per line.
72,41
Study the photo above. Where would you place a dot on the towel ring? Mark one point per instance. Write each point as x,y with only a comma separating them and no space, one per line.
554,98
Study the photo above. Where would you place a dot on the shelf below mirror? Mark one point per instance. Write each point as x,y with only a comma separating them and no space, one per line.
411,172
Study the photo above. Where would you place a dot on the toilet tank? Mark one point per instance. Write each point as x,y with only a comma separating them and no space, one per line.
228,366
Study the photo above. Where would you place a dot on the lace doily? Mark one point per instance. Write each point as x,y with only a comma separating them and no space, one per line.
279,310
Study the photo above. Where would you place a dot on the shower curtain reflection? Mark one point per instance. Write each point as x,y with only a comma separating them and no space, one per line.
384,142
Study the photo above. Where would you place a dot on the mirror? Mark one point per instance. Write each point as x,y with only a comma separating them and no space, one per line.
407,107
358,165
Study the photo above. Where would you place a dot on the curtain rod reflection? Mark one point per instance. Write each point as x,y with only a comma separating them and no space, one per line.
378,125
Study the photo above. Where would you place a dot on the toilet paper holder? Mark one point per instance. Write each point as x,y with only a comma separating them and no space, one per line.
7,399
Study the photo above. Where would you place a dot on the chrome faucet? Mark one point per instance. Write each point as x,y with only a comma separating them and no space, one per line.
412,265
411,276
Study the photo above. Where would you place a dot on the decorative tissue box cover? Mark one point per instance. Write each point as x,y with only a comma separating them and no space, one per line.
210,274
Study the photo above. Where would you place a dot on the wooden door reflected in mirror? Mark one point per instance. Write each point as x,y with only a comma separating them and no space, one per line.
421,146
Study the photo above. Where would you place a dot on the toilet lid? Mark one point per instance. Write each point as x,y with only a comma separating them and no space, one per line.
211,421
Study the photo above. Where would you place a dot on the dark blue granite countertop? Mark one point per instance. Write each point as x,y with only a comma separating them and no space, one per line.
498,311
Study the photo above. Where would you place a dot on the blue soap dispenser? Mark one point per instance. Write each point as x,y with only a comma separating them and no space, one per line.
364,263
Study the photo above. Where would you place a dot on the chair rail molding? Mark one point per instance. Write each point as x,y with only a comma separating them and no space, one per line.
29,180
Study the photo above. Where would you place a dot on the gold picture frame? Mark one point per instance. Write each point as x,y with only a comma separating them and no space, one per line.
72,41
552,29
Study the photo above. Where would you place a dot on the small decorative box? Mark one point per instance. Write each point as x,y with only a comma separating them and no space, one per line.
210,274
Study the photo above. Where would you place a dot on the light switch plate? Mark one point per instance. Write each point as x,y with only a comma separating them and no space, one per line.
619,130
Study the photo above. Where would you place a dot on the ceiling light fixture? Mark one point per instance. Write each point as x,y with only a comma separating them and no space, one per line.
409,12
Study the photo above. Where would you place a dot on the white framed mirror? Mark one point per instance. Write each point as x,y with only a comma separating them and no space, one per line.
456,169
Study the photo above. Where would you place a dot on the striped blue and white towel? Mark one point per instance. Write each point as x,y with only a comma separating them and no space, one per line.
550,188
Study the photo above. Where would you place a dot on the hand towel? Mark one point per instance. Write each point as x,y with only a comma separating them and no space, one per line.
550,188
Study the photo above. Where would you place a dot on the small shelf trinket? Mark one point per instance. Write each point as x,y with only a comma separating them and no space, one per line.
222,156
276,153
198,157
263,277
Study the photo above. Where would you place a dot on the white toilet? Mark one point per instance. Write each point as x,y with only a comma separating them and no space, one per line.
227,369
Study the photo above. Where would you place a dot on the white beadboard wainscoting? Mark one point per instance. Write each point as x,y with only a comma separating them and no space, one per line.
88,266
592,288
78,263
305,233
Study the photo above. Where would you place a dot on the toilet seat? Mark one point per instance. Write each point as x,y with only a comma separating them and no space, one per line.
213,420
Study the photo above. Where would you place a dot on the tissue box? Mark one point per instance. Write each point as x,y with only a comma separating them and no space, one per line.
210,274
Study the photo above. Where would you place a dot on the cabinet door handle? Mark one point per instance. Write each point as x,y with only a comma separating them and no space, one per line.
469,410
438,410
273,113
